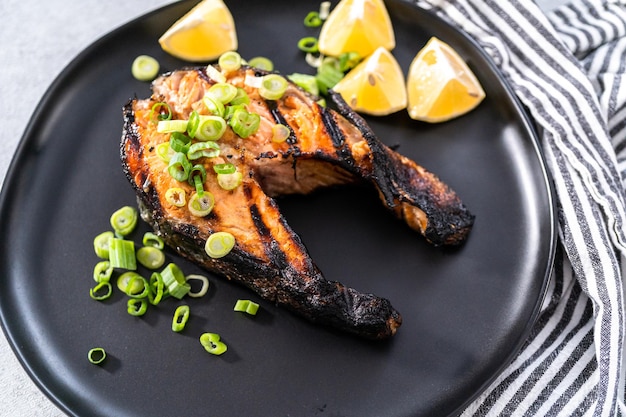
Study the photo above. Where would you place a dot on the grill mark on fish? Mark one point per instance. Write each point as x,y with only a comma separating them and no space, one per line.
273,252
279,118
333,130
333,148
338,139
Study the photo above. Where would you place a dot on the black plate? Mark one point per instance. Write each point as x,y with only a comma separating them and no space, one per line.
466,311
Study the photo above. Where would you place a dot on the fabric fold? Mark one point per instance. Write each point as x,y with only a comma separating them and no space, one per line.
567,69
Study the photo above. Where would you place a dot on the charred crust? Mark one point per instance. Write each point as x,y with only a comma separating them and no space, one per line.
281,270
449,221
258,222
336,135
280,118
130,137
308,293
380,166
266,155
342,151
247,190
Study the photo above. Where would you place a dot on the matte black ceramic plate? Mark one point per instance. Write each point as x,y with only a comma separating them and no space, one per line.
466,311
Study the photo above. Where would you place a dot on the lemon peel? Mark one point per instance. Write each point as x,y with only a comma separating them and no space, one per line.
356,26
202,34
376,86
440,84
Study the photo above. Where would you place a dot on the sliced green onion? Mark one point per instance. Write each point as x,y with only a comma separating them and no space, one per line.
244,123
122,254
324,10
201,205
314,60
348,60
101,291
179,167
197,176
305,81
223,92
198,184
208,149
203,289
102,271
136,307
308,44
262,63
211,128
174,281
157,108
312,20
226,168
273,86
150,239
180,318
231,109
212,343
240,98
219,244
150,257
101,244
215,74
145,68
96,355
230,181
331,61
197,169
133,285
124,220
253,81
192,124
213,105
246,306
179,142
176,197
165,151
169,126
229,61
280,133
156,286
328,75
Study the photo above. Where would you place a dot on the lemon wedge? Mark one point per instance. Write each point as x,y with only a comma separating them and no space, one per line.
375,86
440,85
202,34
356,26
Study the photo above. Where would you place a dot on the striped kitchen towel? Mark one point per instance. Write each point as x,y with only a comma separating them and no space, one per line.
568,68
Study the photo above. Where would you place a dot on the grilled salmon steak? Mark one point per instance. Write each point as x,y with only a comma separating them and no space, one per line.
324,147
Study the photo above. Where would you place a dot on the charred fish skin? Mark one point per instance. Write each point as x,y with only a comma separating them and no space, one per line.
299,287
412,193
325,149
307,294
324,302
406,188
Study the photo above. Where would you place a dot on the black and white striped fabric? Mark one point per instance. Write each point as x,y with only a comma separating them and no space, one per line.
568,68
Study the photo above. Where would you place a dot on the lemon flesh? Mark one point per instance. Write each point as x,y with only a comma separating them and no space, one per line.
375,86
440,85
356,26
202,34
